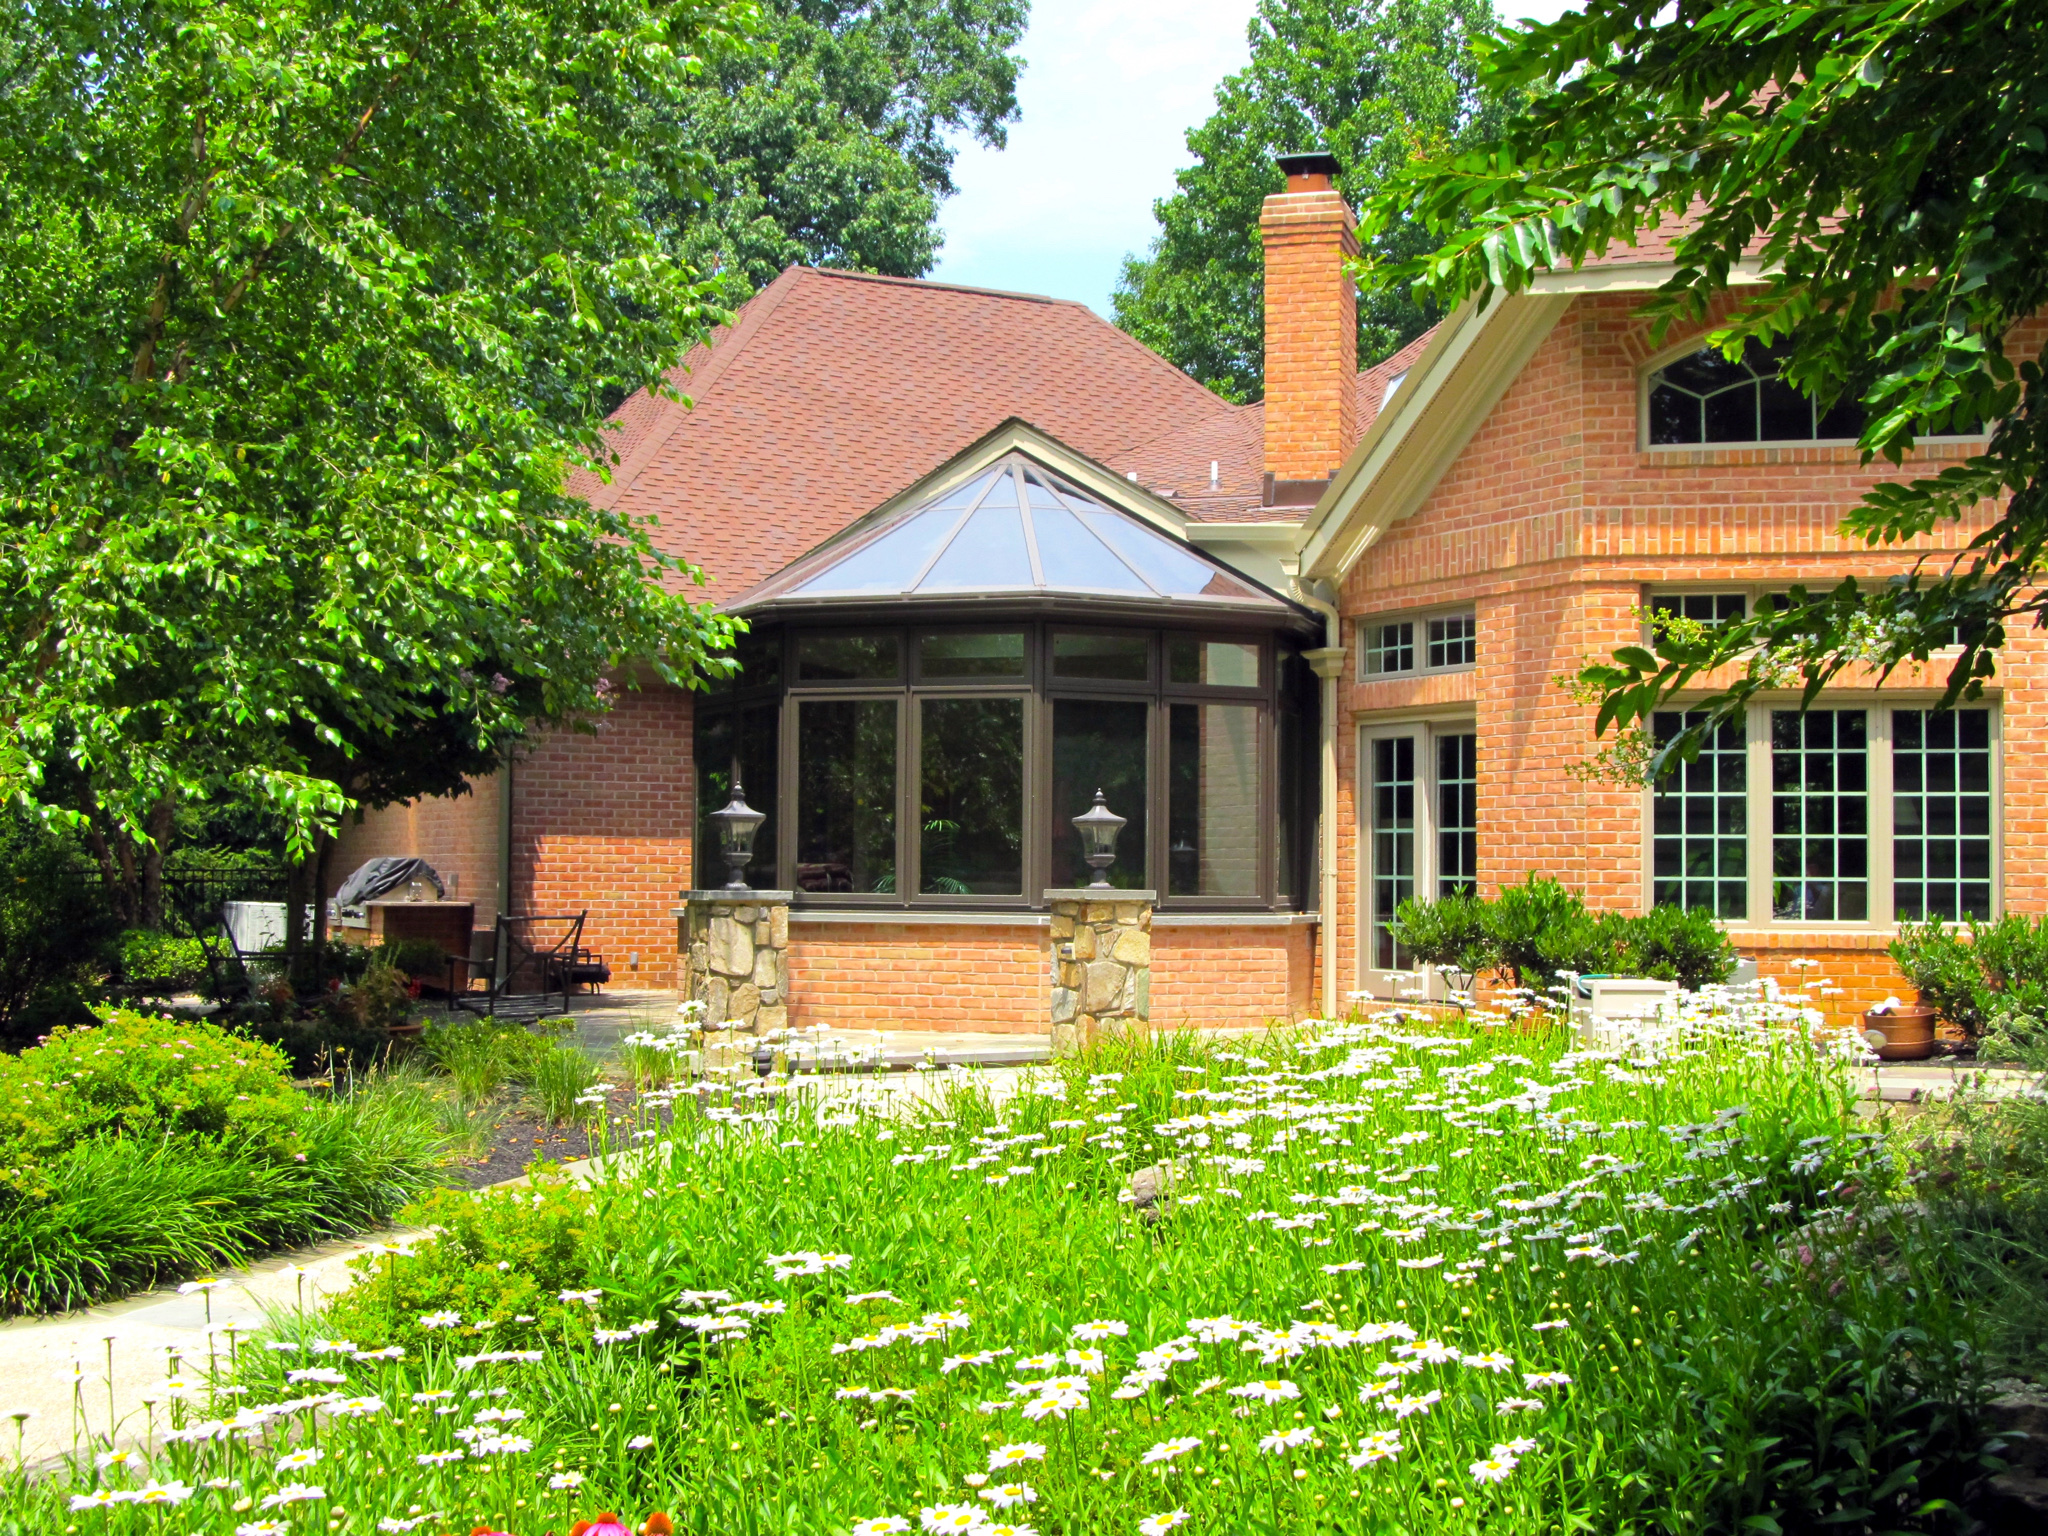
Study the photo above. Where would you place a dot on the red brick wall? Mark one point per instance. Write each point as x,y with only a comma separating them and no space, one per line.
1552,521
603,822
970,977
1231,977
999,979
458,836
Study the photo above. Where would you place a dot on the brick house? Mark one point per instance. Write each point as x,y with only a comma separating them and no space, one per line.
993,552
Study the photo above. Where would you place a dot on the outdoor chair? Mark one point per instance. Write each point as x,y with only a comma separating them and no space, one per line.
538,962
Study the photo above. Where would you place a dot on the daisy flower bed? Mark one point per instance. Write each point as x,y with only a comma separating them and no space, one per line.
1394,1274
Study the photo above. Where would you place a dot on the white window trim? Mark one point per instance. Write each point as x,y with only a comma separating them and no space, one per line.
1426,728
1752,592
1698,343
1878,741
1418,622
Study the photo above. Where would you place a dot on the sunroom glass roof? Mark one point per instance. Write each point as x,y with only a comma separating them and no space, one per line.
1016,528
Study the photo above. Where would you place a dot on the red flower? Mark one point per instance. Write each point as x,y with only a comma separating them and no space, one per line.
657,1525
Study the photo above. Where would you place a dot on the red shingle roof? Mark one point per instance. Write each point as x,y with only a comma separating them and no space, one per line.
1176,462
834,391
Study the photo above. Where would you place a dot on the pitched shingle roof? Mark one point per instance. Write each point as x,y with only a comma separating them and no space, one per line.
833,391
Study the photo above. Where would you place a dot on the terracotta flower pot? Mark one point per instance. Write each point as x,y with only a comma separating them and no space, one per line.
1904,1033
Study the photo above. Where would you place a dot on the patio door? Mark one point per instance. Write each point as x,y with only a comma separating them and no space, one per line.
1419,837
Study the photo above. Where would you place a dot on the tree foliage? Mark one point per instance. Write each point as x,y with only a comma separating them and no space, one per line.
832,143
1885,164
307,309
1373,81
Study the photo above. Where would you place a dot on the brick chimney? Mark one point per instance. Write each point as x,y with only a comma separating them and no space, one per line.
1311,329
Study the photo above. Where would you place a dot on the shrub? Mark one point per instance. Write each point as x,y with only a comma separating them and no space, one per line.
421,959
1972,974
557,1077
1679,944
500,1257
1450,932
137,1075
1534,930
1518,919
116,1212
157,960
482,1055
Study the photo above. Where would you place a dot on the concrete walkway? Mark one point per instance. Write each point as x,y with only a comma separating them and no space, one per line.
103,1369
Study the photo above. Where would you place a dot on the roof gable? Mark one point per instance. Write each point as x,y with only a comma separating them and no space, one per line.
1016,517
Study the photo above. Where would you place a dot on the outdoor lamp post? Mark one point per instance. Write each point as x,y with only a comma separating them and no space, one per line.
737,824
1098,826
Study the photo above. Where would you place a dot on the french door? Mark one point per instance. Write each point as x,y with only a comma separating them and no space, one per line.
1418,802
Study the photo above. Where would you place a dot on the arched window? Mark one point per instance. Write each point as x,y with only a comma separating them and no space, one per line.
1704,398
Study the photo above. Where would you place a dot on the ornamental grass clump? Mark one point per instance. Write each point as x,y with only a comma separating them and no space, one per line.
148,1149
1393,1274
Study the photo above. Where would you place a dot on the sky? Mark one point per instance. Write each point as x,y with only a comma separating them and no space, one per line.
1109,90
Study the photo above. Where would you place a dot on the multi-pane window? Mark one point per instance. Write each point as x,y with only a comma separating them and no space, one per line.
1820,815
1453,640
1457,815
1782,817
1941,813
1704,398
1421,797
1392,797
1440,643
1699,840
1707,607
1390,647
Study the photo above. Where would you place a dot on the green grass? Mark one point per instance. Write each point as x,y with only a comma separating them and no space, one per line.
1726,1370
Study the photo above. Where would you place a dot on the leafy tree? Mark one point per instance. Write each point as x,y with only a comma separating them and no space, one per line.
1886,164
1373,81
307,310
830,143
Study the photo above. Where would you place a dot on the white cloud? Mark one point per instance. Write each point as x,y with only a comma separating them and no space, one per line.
1109,91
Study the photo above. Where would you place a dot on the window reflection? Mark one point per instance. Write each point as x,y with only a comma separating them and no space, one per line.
944,656
971,816
744,740
1212,800
1214,663
1099,744
846,795
1111,658
848,658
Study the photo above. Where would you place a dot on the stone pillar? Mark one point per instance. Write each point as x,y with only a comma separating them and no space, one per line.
1101,964
736,958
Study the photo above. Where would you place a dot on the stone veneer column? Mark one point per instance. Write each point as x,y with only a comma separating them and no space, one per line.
1101,964
735,957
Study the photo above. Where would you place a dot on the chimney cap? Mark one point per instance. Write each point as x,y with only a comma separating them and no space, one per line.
1319,163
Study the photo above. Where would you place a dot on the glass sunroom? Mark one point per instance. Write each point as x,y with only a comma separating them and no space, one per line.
926,701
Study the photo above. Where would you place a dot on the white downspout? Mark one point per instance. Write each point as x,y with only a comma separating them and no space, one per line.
1327,661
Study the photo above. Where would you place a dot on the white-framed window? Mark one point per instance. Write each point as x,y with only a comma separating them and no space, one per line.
1692,397
1419,825
1410,643
1861,812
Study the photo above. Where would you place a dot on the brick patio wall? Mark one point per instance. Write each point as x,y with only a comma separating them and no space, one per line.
1231,977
